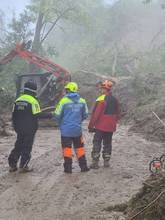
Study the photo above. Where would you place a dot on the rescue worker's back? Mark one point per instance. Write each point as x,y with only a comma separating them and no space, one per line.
25,112
70,113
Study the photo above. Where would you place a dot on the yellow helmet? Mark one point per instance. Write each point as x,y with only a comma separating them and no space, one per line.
72,86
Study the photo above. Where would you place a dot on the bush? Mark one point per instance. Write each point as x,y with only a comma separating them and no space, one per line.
6,100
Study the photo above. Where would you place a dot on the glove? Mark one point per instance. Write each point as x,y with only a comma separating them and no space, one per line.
91,130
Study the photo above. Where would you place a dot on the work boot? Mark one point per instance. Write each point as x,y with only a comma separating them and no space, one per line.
106,163
85,169
25,169
83,164
67,171
95,164
12,169
67,168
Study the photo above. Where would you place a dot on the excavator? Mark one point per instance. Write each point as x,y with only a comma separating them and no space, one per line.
50,84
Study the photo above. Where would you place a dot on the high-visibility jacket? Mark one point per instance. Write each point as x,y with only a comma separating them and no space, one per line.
25,111
105,114
69,113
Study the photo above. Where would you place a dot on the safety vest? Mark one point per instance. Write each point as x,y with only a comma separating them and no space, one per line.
100,98
31,100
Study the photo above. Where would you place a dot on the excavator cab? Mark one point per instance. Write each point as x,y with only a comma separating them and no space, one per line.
49,87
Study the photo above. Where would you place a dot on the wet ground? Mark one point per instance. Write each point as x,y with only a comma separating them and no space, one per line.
49,194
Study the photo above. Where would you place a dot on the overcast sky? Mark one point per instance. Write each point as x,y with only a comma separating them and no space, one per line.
17,6
13,5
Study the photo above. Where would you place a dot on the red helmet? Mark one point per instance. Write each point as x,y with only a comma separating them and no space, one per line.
107,84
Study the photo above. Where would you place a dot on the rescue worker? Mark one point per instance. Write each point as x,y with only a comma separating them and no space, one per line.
26,112
69,113
103,123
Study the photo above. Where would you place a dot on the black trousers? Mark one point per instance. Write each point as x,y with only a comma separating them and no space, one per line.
99,138
78,145
22,150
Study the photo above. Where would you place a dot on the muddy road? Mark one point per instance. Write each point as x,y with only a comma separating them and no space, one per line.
49,194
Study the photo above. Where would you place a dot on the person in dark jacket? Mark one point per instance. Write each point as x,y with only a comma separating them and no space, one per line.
69,113
103,123
25,115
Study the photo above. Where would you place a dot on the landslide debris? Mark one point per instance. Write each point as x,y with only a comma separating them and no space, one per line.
147,204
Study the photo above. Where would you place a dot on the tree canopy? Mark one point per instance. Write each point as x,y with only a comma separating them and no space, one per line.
120,39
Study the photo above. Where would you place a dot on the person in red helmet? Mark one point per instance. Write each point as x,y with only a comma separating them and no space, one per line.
103,123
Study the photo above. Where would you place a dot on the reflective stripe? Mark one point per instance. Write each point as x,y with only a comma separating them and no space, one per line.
66,100
62,102
100,98
31,100
80,152
86,107
67,152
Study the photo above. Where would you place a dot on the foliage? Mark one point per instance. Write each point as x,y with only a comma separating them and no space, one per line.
50,14
162,2
6,100
19,29
119,40
151,196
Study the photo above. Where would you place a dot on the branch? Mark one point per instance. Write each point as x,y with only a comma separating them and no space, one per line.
157,35
148,206
7,32
162,122
114,63
61,28
101,76
2,41
93,73
44,27
54,23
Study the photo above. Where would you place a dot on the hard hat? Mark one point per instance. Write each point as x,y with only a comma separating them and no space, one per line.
107,84
72,86
30,86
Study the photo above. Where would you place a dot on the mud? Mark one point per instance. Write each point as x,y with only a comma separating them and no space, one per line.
149,202
49,194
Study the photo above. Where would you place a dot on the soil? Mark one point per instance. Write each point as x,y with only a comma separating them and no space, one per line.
49,194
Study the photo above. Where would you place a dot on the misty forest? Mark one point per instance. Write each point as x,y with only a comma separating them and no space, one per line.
94,40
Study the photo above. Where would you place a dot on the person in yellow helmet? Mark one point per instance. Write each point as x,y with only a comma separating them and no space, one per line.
25,115
69,113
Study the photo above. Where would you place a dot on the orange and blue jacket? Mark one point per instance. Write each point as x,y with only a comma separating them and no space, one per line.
105,114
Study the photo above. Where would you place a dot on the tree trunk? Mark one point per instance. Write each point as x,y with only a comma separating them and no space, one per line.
114,63
36,45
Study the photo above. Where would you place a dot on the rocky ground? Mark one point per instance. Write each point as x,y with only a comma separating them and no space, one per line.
49,194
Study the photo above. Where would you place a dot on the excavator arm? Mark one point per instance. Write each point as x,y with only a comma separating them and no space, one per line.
50,84
33,58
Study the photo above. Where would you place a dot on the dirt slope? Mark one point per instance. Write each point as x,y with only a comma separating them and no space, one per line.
49,194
